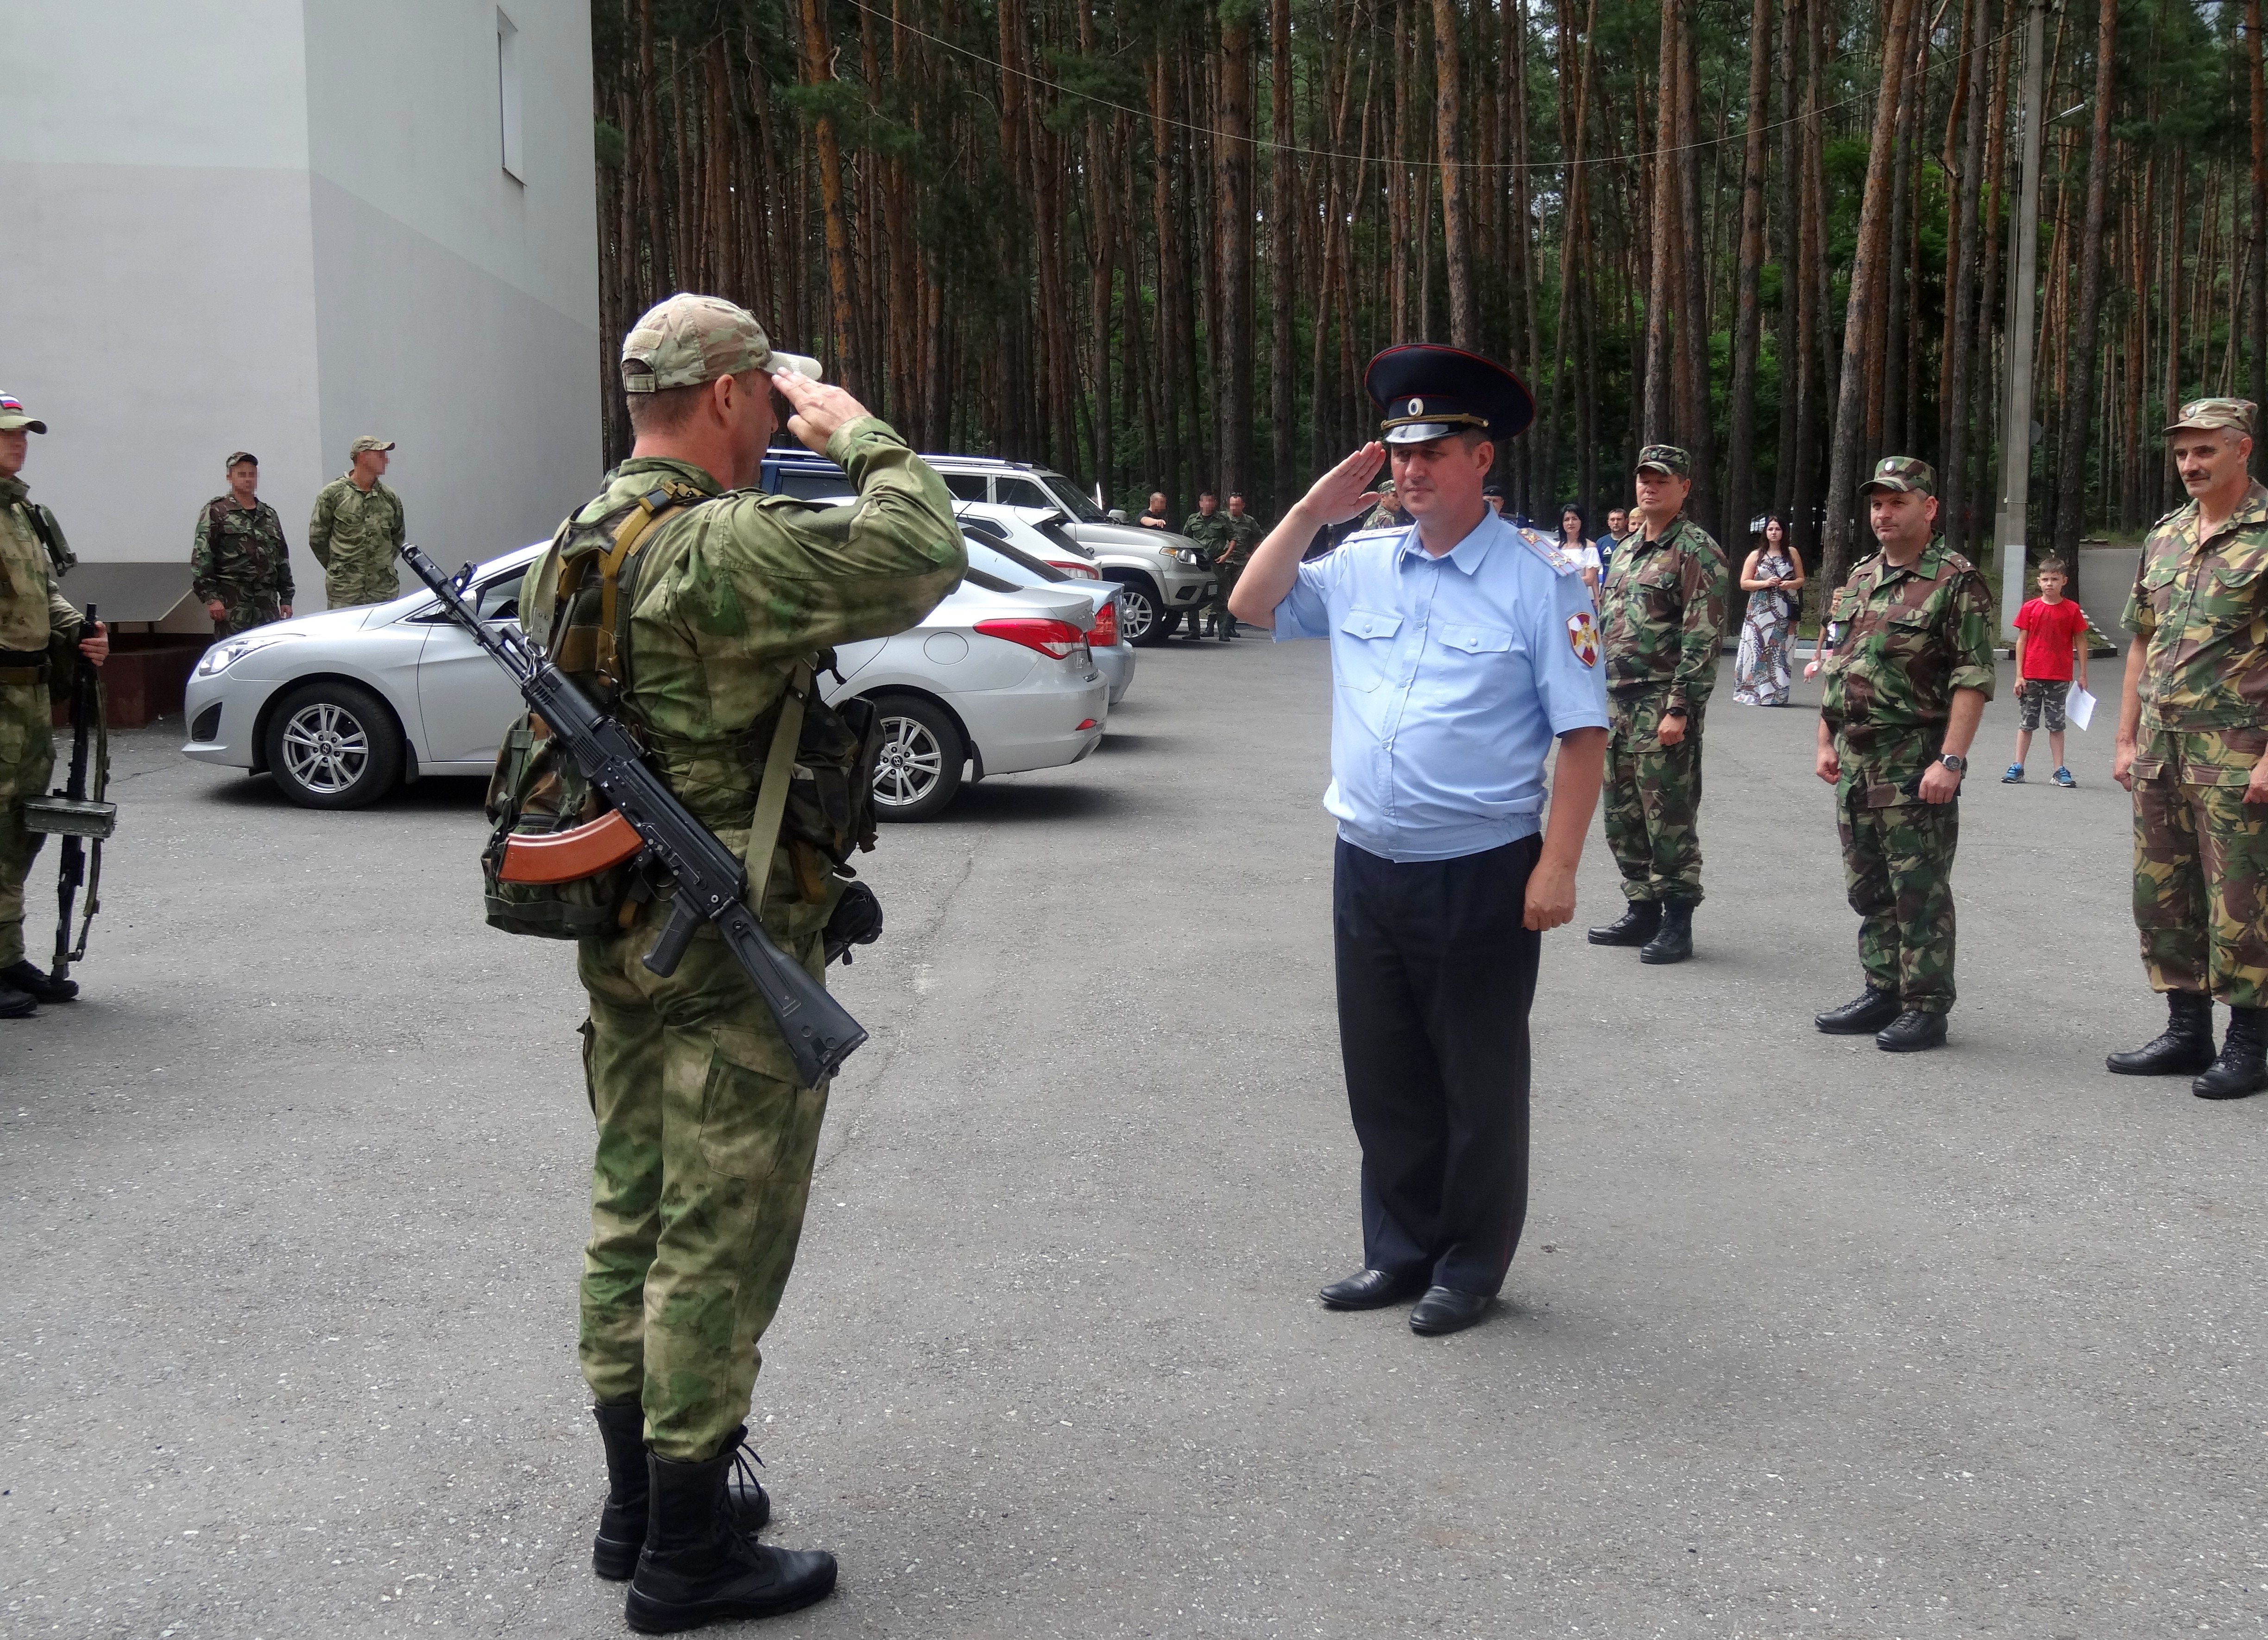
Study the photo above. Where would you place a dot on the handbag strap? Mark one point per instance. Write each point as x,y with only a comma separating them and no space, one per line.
771,794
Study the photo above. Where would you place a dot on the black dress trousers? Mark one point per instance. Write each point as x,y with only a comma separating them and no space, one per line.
1435,976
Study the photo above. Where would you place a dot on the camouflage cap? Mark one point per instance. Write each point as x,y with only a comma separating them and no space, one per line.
1907,475
368,441
2203,415
240,455
1386,487
687,340
13,415
1668,458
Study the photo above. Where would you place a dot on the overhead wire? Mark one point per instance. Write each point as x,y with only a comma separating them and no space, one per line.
1297,152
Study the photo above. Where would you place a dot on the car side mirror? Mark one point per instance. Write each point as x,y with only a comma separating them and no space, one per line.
1116,515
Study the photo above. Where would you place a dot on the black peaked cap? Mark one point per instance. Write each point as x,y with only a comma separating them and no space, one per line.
1424,390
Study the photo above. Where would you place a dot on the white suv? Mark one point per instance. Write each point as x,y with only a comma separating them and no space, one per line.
1162,572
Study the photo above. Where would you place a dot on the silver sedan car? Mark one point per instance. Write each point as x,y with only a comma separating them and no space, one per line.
341,707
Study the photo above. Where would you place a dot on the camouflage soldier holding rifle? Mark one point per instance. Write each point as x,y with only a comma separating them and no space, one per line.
2191,748
693,625
1910,669
38,630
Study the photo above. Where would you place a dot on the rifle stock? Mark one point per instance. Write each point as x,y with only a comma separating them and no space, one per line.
711,884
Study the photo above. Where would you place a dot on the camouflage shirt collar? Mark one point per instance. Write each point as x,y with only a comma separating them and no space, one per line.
1929,565
13,489
2250,513
1668,534
697,476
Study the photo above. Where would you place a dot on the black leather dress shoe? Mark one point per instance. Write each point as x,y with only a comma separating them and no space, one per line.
1913,1032
1634,927
1445,1310
1370,1290
1870,1011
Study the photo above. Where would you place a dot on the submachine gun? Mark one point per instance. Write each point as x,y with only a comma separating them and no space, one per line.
648,821
77,812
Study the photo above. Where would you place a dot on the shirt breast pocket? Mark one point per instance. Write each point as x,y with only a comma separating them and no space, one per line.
2237,591
1477,640
1364,655
1905,631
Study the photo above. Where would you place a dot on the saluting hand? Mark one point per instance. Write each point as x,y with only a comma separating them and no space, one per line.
1345,491
819,409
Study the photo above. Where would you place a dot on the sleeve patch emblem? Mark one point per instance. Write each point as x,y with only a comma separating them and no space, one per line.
1583,637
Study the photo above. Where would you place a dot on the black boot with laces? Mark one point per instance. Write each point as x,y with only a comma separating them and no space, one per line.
698,1567
2242,1067
622,1523
2185,1048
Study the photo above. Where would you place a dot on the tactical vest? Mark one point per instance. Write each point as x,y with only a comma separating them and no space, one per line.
818,762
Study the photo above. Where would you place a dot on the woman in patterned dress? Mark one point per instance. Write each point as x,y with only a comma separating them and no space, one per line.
1773,579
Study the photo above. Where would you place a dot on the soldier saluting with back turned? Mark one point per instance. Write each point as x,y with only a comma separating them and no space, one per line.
38,630
694,610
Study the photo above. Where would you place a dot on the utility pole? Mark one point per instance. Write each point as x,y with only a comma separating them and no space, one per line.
2016,431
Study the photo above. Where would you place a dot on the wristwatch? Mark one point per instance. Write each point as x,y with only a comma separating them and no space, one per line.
1676,711
1958,765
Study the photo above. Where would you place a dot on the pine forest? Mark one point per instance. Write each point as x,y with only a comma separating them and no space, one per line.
1152,243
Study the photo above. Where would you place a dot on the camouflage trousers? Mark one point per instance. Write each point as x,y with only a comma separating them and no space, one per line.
351,582
1225,578
705,1146
246,611
2201,889
1653,797
27,755
1898,866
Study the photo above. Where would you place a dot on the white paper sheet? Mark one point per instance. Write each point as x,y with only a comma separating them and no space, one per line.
2079,706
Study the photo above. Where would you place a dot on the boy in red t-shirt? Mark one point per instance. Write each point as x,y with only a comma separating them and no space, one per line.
2051,643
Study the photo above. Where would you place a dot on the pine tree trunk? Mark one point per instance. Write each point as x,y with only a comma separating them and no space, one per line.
817,59
1789,351
1448,129
1867,270
1233,185
1748,305
2079,402
1283,234
1659,416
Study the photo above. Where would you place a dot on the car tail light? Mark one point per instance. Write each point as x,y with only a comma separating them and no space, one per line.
1105,635
1057,638
1074,569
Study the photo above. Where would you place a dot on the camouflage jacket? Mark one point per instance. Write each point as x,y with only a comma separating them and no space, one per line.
1243,534
33,616
2201,609
725,591
352,532
240,553
1662,614
1902,641
1383,517
1209,531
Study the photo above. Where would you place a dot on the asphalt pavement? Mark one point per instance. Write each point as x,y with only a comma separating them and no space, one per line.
1803,1339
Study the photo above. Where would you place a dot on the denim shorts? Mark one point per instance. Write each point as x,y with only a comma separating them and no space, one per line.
2043,698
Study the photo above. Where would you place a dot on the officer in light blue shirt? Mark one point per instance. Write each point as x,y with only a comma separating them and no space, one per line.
1462,647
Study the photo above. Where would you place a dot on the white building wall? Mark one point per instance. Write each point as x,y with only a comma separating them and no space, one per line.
273,224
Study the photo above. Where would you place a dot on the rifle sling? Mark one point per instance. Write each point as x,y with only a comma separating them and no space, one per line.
771,795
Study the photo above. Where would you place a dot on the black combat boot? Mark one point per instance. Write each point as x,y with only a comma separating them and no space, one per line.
1674,942
2184,1050
698,1568
1863,1015
1911,1032
15,1004
621,1524
2241,1069
34,982
1637,923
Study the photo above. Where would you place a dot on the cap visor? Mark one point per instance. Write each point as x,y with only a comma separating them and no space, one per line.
2204,427
798,363
1424,432
1657,467
9,424
1895,486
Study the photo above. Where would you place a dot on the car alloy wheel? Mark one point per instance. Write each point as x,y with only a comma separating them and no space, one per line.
326,747
1138,614
918,769
333,745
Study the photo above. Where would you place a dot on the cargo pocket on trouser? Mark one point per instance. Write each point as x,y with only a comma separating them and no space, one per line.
747,1102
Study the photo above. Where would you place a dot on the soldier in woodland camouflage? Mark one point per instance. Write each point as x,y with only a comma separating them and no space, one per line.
39,632
356,528
2191,740
1662,621
1388,514
239,569
705,1138
1208,527
1241,533
1910,669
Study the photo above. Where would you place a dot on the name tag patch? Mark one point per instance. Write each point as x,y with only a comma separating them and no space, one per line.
1583,637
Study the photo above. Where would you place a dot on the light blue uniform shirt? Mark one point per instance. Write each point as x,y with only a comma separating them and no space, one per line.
1450,678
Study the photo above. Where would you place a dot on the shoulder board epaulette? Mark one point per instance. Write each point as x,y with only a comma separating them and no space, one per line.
1955,562
1542,547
